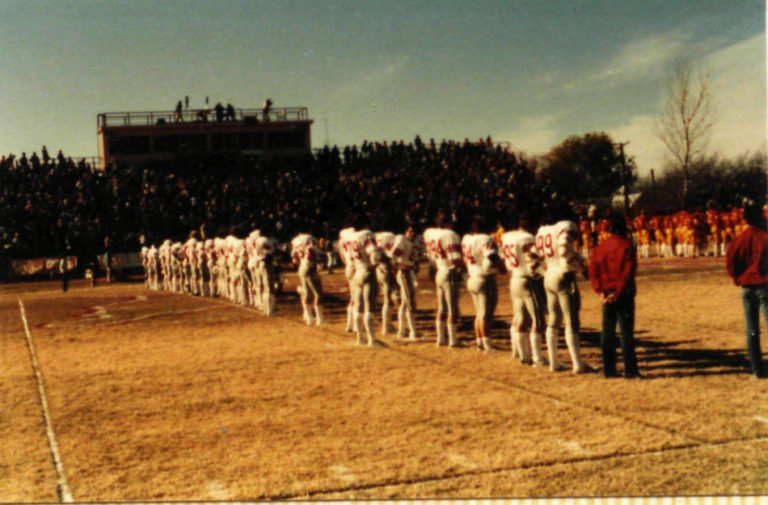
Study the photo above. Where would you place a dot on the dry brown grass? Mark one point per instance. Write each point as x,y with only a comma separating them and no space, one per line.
157,396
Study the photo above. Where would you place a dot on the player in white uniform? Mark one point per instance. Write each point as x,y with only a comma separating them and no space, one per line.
346,245
305,253
481,257
177,266
528,299
144,257
189,266
221,249
265,248
238,270
253,268
385,277
165,263
556,244
365,256
210,266
153,264
404,256
200,267
444,252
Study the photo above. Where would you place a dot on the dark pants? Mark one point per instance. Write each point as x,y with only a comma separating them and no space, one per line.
64,281
754,299
623,311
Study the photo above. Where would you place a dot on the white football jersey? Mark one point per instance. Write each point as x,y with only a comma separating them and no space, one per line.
364,252
346,244
477,250
263,247
520,253
189,248
304,248
545,244
250,242
556,244
384,241
404,253
443,247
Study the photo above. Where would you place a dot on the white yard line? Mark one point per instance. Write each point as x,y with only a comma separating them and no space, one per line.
62,488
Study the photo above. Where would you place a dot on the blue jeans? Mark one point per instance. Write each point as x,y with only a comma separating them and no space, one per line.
623,311
754,298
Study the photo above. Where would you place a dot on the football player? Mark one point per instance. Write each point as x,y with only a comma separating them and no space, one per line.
444,253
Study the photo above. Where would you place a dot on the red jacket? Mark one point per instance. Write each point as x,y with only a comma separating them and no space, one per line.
612,266
747,257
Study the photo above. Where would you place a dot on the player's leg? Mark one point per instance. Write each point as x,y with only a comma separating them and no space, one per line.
515,330
452,293
358,281
303,290
441,287
570,315
475,288
270,285
245,285
369,302
405,309
535,303
482,306
351,312
410,308
518,344
383,283
314,285
254,268
552,282
554,319
492,301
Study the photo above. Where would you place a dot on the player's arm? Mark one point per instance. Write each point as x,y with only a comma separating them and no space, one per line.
573,259
493,259
372,250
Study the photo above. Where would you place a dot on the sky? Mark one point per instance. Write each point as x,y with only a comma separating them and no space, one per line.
527,72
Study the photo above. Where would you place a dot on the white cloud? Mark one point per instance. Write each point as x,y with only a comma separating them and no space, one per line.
373,79
739,93
645,58
532,135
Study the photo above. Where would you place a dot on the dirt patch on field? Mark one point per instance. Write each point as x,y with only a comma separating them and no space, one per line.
158,396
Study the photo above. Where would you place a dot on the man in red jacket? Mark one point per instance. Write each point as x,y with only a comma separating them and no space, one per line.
747,263
612,269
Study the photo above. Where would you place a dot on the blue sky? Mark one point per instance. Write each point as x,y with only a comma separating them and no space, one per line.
526,72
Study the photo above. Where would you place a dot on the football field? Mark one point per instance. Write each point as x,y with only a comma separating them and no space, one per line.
159,396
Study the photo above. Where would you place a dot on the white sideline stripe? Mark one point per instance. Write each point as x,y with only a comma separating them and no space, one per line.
65,494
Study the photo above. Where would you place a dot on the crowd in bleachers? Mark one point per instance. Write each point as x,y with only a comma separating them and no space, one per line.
51,205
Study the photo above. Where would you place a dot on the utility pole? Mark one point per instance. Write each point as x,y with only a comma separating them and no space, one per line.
624,177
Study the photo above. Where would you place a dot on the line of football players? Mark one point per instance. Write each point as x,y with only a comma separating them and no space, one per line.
542,274
241,270
681,234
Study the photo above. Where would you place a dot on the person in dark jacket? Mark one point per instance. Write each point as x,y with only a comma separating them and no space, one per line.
612,270
747,263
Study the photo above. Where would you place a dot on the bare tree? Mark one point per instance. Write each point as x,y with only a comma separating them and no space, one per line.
685,124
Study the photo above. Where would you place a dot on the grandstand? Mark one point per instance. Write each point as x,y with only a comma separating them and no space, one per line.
140,137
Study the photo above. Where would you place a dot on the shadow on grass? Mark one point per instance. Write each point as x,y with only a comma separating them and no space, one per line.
660,357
